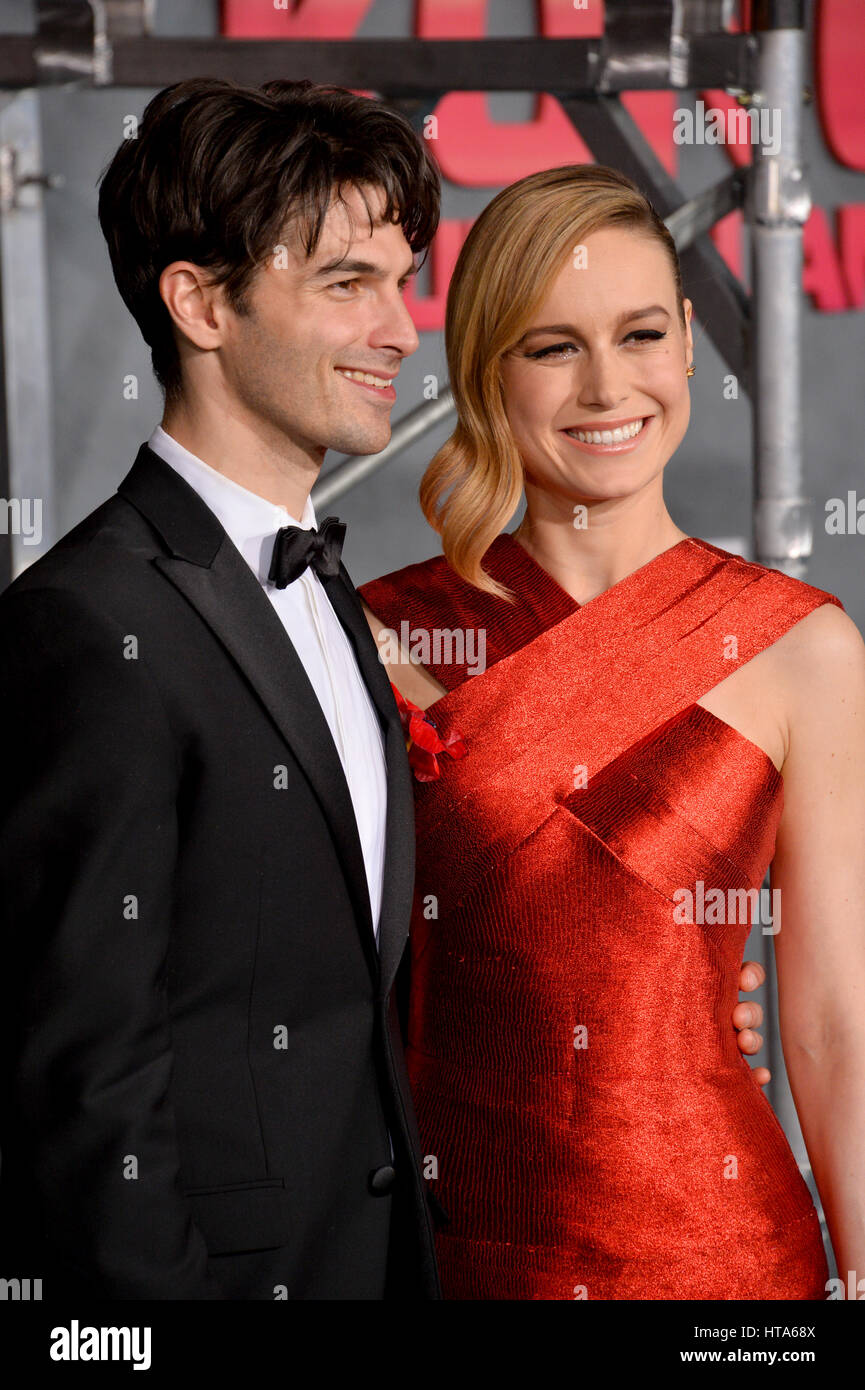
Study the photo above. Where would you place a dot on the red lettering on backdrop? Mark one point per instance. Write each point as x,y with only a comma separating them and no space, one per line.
278,19
838,64
428,310
475,151
851,239
467,19
821,274
834,276
728,234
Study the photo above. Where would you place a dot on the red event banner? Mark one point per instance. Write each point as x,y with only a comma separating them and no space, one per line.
475,151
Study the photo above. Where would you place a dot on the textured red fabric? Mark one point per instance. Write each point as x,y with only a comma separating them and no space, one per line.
643,1162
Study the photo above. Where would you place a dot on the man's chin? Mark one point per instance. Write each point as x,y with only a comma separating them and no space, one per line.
361,442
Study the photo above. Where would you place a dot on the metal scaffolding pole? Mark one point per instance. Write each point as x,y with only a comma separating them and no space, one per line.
777,207
26,434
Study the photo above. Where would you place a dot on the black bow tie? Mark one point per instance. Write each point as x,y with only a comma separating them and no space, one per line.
295,548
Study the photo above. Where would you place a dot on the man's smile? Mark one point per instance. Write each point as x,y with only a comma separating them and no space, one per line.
376,384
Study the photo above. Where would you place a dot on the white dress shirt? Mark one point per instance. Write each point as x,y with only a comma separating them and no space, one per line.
317,636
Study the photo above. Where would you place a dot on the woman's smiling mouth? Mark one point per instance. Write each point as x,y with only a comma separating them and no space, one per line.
610,437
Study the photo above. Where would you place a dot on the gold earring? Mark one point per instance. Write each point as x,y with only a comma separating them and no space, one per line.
691,369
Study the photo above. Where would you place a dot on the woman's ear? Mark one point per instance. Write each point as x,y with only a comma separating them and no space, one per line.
688,307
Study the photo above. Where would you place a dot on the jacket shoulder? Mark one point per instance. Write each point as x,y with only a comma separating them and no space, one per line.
95,556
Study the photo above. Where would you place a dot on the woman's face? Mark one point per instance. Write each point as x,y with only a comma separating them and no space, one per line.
605,350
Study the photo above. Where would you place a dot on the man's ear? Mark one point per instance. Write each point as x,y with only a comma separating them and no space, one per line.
195,304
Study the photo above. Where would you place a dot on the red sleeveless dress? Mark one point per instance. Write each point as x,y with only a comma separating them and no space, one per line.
596,1131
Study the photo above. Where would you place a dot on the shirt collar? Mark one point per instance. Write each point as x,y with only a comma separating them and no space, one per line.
250,520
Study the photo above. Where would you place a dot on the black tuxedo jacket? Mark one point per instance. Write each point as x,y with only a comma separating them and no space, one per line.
201,1055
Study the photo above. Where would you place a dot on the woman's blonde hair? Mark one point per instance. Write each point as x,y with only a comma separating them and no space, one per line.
507,264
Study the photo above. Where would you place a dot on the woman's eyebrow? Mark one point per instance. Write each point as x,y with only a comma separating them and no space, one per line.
627,317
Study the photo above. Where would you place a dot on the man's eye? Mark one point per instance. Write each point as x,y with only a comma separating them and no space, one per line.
343,284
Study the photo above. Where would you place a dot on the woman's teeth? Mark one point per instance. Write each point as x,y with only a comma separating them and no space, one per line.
617,436
366,377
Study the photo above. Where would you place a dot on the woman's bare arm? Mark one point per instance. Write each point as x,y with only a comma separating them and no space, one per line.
819,867
411,680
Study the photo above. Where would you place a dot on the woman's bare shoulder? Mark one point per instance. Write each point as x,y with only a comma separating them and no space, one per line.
822,668
818,644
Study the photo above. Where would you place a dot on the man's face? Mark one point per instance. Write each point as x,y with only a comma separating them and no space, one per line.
316,326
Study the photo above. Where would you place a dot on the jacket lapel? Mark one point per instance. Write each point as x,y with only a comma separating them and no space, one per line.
398,884
212,575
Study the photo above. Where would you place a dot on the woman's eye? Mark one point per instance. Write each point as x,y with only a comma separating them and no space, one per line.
554,348
642,335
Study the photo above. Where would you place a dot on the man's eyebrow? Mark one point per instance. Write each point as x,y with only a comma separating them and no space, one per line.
358,267
627,317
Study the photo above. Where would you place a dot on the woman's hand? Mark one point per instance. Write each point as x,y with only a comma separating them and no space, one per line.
747,1017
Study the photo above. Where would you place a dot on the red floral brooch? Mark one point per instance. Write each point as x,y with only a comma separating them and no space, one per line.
422,740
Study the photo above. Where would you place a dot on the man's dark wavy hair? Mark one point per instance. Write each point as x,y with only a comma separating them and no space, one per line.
218,171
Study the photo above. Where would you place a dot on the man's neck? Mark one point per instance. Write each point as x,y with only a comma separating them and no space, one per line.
272,468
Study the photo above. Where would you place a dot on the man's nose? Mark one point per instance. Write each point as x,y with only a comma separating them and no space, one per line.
396,328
